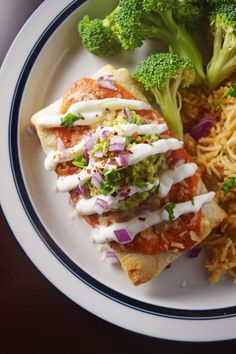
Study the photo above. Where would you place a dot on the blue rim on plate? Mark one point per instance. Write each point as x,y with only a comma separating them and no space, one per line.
36,223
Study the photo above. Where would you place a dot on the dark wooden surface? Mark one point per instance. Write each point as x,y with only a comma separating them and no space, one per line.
34,316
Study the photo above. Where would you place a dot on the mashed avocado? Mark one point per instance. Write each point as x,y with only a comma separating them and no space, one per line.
140,175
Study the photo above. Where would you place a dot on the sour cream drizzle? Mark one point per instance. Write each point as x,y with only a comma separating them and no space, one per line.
92,111
130,129
138,153
88,206
57,156
105,234
167,179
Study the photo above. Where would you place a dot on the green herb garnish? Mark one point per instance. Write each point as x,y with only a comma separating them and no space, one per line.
231,92
228,185
233,237
69,120
192,201
111,182
141,183
170,210
80,162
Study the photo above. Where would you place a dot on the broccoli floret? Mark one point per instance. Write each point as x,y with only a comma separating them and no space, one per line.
189,13
128,26
162,74
133,21
97,36
223,61
216,3
166,20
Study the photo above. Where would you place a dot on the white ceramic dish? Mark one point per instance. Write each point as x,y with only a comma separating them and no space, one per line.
49,58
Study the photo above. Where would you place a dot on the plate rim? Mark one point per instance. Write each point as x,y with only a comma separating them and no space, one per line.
67,4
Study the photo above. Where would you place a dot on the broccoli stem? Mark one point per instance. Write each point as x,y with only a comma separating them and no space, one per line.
223,61
178,39
168,101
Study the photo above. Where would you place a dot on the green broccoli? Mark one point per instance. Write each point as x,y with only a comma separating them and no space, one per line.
162,74
216,3
133,21
223,61
137,20
97,36
189,13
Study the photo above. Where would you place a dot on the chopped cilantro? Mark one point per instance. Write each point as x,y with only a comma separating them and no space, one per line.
228,185
80,162
141,183
170,210
111,182
192,201
69,120
231,91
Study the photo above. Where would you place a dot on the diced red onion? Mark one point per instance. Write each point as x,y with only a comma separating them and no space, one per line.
201,129
105,133
194,252
107,84
127,114
64,156
105,77
123,193
112,257
80,190
122,160
144,207
91,142
31,130
101,205
60,144
117,144
122,236
86,154
98,153
96,179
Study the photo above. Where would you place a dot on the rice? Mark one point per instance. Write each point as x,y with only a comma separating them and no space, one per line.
215,155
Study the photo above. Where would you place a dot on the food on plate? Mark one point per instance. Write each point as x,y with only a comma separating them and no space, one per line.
213,149
174,22
127,173
134,21
223,61
162,74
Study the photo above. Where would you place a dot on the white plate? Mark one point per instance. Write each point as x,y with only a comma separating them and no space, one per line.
44,60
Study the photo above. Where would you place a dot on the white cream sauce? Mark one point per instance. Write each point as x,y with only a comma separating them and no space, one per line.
88,206
130,129
170,177
167,179
58,156
138,224
92,111
138,153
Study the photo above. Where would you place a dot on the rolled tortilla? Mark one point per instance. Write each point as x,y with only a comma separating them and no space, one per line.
140,268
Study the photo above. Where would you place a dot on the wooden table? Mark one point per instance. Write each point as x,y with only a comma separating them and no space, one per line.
34,316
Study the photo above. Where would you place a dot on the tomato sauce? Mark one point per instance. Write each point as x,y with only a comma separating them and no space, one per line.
159,238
